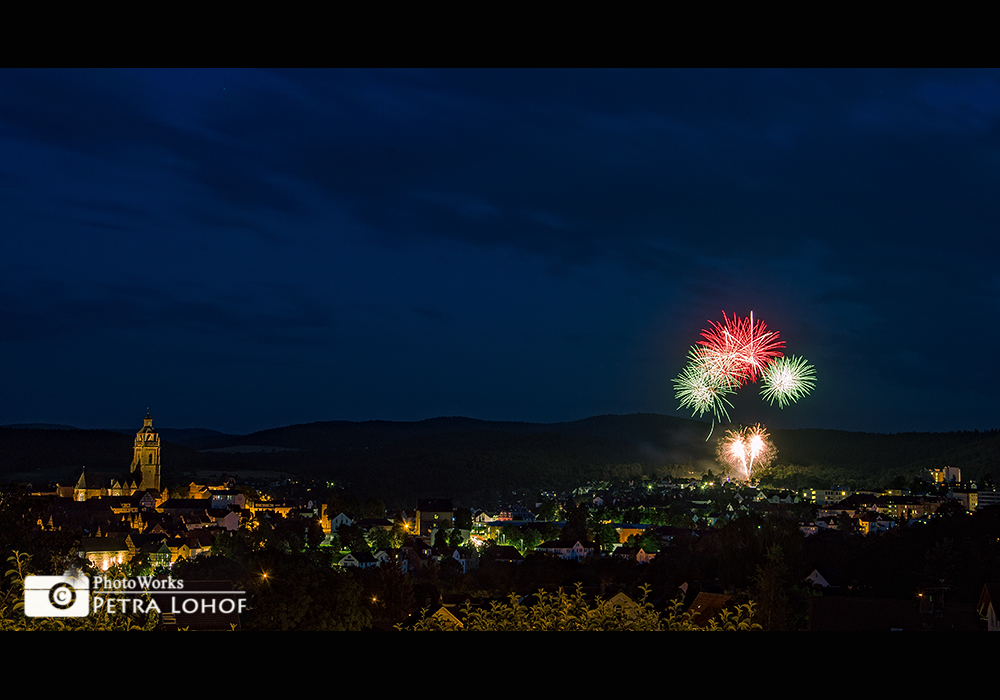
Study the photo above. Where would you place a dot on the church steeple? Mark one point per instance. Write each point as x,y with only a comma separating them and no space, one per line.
146,458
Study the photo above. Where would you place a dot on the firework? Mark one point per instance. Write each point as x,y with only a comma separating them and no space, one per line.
740,347
741,451
786,380
702,392
733,353
716,368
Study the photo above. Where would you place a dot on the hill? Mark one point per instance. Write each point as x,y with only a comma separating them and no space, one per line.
476,461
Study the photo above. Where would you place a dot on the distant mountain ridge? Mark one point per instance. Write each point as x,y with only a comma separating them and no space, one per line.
179,436
477,459
40,426
346,435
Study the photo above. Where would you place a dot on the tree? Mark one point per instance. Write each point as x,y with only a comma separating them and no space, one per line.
378,539
352,538
463,518
606,536
576,525
393,595
532,538
549,512
298,594
951,508
511,534
316,535
770,583
373,508
846,524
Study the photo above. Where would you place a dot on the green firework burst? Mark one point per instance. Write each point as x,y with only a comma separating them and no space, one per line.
702,392
787,379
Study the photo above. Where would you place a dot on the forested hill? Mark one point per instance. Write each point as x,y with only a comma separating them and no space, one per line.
347,435
474,459
881,452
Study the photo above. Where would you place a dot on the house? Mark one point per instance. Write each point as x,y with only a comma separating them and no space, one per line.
200,542
434,514
706,606
361,560
227,519
636,554
367,524
823,579
626,530
482,518
224,498
568,549
987,608
340,519
105,552
441,613
466,557
390,557
622,603
503,553
179,549
156,551
873,522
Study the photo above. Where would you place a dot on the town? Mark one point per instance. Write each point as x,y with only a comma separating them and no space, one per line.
688,551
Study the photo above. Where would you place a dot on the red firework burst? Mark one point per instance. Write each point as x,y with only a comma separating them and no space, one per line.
738,349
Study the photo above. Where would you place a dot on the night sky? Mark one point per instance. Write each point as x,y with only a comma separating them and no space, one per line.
243,249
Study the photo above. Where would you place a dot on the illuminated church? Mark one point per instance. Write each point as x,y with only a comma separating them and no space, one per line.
146,459
144,474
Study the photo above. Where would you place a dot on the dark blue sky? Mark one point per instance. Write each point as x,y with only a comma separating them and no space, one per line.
240,249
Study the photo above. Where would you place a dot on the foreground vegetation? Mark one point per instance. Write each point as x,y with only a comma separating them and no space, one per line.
571,612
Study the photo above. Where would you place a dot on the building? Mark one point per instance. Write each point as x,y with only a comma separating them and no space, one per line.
434,514
146,458
985,498
143,475
946,476
823,497
969,498
576,550
986,608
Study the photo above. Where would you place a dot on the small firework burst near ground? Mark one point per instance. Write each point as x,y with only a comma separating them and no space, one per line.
745,450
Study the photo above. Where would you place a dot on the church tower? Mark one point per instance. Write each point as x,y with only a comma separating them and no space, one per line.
146,459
